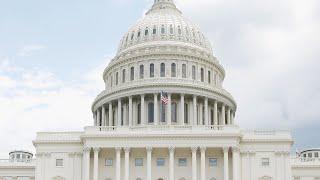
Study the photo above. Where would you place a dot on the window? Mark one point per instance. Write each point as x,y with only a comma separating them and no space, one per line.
182,161
309,155
171,29
163,113
202,74
132,35
179,30
174,112
150,113
154,31
213,162
109,162
59,162
184,71
146,32
316,154
265,162
18,156
186,113
138,162
163,29
139,114
151,70
23,156
211,113
123,76
194,72
132,73
160,162
209,77
111,80
139,34
173,70
162,70
141,71
117,76
305,155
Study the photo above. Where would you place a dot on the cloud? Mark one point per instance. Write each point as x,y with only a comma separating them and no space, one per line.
30,49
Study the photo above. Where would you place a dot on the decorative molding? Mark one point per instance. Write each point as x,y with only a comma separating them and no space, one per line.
194,149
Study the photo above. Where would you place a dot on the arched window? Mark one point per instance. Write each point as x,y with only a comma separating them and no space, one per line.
139,34
139,114
141,71
202,74
151,70
179,30
173,70
123,76
186,113
132,73
184,71
132,35
146,32
154,31
174,112
171,29
117,78
209,77
150,113
162,70
163,30
194,72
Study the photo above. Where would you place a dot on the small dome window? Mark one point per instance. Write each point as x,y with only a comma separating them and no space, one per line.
139,34
132,35
163,30
146,32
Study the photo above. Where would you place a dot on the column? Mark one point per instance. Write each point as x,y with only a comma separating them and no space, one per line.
203,163
86,162
94,117
206,112
98,117
155,106
194,110
215,113
223,114
96,163
194,162
201,114
127,163
110,114
226,163
252,164
169,109
182,109
118,165
149,163
228,115
119,112
236,162
103,116
143,122
171,163
130,111
231,117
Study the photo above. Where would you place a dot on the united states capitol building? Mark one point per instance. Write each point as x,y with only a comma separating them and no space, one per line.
164,115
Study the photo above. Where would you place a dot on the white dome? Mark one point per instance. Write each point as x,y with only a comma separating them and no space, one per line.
164,23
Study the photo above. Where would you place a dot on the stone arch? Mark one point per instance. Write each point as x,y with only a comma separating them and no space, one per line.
265,178
58,178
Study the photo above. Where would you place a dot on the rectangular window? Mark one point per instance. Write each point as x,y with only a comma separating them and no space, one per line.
59,162
160,162
184,71
316,154
213,162
117,78
309,155
265,162
132,73
151,70
123,76
138,162
109,162
182,162
194,72
209,77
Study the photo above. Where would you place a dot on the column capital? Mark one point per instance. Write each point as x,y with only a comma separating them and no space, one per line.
149,149
127,149
171,149
226,149
96,149
118,149
194,149
203,148
182,94
142,95
235,149
86,149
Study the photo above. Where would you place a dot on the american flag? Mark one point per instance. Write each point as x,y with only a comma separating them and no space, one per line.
164,98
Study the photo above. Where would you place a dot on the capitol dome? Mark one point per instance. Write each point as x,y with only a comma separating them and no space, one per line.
164,52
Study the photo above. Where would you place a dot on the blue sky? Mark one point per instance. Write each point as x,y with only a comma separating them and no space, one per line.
52,54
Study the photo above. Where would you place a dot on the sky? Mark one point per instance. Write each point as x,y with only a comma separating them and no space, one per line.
53,53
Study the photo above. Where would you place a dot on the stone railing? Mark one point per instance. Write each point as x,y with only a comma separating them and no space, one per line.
20,162
161,128
305,161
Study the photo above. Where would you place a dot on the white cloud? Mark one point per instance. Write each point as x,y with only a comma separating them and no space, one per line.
29,49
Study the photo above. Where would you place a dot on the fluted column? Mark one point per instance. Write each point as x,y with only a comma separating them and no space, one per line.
206,112
86,163
155,111
149,163
223,114
103,121
96,163
194,162
169,109
236,163
143,121
194,110
232,117
110,114
226,163
119,112
130,111
203,163
171,163
201,114
95,117
215,113
98,117
127,163
182,109
228,115
118,163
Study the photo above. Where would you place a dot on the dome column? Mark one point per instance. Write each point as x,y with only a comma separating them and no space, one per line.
143,122
110,114
119,112
103,123
130,111
194,110
182,109
228,115
155,111
206,112
169,110
215,113
223,114
98,117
